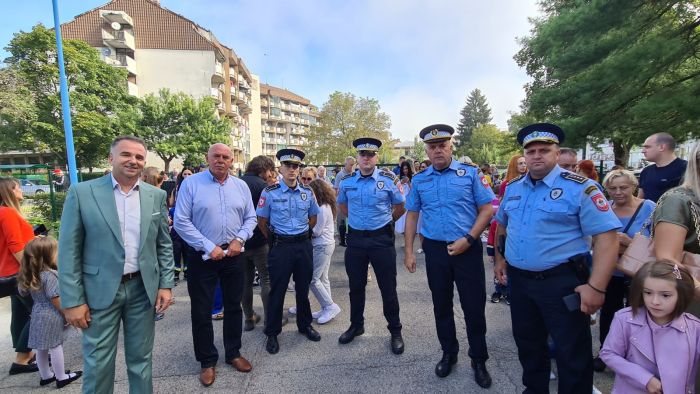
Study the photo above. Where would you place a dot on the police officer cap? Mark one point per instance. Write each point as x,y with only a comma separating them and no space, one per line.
437,132
290,156
370,144
540,132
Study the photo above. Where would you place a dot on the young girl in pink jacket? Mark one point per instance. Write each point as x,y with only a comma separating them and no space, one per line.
653,346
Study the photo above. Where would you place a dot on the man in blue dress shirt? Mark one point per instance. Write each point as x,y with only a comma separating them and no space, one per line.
548,217
215,216
373,201
286,212
456,205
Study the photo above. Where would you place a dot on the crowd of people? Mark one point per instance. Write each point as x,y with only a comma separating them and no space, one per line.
555,233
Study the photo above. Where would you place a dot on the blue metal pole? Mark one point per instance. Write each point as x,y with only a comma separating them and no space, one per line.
65,100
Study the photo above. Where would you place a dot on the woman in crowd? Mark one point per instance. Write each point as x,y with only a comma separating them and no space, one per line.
424,164
15,232
178,243
516,168
308,174
587,168
635,216
406,176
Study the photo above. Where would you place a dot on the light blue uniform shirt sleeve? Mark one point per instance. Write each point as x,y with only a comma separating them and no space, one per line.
250,220
342,194
182,221
264,203
396,196
501,216
313,207
413,202
596,215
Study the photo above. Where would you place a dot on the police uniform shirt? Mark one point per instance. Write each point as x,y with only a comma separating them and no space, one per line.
449,200
369,199
288,209
550,221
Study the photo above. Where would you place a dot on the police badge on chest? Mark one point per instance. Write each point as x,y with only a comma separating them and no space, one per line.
380,185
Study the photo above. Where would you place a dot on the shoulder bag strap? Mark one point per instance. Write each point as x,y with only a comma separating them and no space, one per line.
634,216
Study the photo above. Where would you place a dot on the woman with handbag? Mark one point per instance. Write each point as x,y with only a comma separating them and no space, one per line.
635,215
15,232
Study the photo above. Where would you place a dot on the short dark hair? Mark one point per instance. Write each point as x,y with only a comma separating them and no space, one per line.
260,164
662,269
128,138
665,139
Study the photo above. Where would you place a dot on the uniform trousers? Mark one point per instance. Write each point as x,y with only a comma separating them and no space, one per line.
379,250
285,260
466,271
537,310
201,285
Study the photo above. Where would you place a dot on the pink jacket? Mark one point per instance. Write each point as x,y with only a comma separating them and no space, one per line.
637,349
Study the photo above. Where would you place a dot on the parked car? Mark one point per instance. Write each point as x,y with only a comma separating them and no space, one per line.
30,188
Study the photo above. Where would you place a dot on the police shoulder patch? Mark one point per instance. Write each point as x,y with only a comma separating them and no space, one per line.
390,175
273,187
592,188
573,177
517,178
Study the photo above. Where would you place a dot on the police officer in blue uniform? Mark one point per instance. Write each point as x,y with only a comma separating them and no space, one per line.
286,212
456,205
373,201
548,217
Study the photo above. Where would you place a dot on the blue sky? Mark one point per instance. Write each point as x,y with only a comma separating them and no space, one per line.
419,58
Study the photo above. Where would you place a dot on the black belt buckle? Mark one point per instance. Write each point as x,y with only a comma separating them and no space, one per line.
130,276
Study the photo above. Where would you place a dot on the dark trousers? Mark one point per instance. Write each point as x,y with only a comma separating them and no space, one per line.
342,229
465,270
380,251
615,295
21,307
201,284
179,255
287,260
537,310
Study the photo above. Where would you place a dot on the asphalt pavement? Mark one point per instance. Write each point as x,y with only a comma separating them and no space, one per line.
364,366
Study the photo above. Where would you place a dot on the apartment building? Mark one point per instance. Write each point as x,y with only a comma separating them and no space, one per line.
162,49
286,119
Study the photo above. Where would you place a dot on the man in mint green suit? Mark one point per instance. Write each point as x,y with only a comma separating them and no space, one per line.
115,264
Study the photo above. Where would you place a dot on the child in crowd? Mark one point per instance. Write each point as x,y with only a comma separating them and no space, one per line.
38,277
653,346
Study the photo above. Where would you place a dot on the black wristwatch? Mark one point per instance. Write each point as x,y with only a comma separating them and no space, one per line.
470,239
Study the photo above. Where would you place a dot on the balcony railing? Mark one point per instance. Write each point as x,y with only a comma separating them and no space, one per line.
127,62
118,38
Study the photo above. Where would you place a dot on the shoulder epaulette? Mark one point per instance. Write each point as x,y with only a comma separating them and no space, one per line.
470,164
517,178
573,177
390,175
305,187
346,176
273,187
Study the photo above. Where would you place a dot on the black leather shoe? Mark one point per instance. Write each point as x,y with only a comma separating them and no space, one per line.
310,333
272,346
249,324
481,375
350,334
598,365
397,343
66,382
23,368
444,366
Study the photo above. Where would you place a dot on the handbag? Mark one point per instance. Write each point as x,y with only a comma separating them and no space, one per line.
641,249
8,285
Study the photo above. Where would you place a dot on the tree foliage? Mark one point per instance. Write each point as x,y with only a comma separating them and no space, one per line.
344,118
101,108
476,112
490,145
176,125
617,70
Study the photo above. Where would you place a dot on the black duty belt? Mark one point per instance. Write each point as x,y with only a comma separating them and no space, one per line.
130,276
292,238
371,233
559,270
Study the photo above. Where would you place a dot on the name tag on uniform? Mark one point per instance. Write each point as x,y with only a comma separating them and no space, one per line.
351,188
514,198
279,200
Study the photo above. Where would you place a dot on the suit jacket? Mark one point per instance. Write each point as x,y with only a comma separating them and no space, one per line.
91,250
636,352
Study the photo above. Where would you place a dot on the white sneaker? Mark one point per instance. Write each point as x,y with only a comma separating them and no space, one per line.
293,310
596,391
328,314
419,251
552,376
317,314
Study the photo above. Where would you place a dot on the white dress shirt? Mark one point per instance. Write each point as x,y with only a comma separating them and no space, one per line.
129,211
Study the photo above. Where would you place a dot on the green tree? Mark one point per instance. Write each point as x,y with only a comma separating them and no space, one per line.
418,150
616,70
176,125
344,118
100,104
490,145
475,112
16,111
